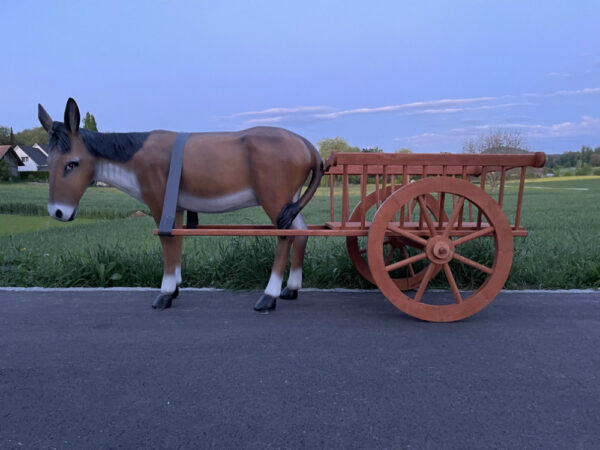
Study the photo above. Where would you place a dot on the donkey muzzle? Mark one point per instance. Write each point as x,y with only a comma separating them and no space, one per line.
64,213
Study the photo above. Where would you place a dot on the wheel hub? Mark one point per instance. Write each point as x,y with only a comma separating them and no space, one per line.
440,250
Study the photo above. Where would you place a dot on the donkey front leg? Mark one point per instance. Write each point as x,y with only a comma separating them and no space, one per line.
268,301
169,288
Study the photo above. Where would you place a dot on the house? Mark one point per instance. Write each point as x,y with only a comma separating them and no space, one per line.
44,148
35,159
8,154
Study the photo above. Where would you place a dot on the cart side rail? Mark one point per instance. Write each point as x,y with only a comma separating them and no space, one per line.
386,167
537,159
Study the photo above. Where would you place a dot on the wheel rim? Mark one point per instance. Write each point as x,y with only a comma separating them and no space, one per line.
442,251
357,247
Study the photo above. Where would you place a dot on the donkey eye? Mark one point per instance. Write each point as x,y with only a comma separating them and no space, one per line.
71,165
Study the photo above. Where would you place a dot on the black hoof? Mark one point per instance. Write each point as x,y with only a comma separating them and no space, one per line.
265,304
176,293
163,301
289,294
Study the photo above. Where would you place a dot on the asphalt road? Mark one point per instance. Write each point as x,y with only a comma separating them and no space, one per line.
332,370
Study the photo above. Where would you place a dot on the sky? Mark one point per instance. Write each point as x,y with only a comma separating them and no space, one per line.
423,75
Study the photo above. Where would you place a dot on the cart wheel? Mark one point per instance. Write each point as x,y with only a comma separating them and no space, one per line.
444,247
394,246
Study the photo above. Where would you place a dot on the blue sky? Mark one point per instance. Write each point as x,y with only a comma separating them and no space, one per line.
424,75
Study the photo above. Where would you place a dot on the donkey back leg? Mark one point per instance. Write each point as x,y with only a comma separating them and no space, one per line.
268,301
299,248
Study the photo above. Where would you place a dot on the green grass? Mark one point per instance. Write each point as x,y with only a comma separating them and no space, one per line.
31,199
12,224
562,250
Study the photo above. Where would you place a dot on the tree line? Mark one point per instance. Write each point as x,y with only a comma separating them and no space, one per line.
37,135
496,141
575,159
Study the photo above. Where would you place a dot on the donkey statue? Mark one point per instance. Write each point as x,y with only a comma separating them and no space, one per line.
221,172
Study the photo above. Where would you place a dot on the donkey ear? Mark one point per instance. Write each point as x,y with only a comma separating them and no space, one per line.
72,117
44,118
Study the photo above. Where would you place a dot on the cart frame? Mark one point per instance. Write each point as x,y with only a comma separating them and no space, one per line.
427,183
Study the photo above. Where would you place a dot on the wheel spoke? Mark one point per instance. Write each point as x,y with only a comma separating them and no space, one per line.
405,262
425,281
452,283
390,254
425,213
476,265
475,235
410,267
455,212
407,235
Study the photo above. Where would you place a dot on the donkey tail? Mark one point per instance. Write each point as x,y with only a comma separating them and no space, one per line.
290,211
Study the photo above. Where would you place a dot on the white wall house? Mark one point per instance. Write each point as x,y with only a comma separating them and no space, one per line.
7,153
34,159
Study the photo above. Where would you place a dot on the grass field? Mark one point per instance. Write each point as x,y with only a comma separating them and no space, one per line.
13,224
562,250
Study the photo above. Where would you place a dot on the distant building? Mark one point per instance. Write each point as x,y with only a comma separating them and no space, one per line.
34,159
44,148
8,154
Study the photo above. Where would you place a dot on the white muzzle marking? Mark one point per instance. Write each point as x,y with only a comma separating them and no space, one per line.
62,212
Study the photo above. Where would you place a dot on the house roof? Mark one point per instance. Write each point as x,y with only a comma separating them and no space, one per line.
3,150
45,147
34,153
9,149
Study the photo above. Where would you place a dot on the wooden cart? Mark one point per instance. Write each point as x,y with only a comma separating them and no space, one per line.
416,214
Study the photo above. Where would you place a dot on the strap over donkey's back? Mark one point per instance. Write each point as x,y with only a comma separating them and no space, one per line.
167,220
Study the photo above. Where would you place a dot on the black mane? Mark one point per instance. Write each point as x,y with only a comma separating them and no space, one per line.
58,138
112,146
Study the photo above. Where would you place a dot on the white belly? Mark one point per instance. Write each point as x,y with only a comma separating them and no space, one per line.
225,203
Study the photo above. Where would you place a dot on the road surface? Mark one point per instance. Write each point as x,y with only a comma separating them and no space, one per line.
101,369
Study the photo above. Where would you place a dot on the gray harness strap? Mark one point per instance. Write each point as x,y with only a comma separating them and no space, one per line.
167,220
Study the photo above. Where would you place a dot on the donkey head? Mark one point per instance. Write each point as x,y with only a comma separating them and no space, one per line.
70,164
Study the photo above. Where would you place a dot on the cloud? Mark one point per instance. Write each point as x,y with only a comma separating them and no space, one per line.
413,105
264,120
586,126
469,108
296,110
586,91
558,75
441,106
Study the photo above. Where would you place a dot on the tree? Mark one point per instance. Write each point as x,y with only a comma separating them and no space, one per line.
403,150
12,137
328,145
89,122
326,148
572,158
31,136
371,150
496,141
4,135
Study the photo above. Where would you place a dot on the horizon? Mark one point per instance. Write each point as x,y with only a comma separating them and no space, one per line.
423,77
